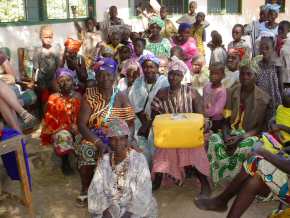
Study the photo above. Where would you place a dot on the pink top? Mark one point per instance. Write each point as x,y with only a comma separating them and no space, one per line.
189,49
214,101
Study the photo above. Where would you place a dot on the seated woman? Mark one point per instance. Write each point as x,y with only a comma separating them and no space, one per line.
60,120
178,99
265,173
100,105
245,114
121,186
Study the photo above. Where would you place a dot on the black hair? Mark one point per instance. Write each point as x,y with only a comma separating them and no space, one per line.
143,41
217,38
200,14
285,23
163,7
269,39
124,48
113,6
217,66
241,26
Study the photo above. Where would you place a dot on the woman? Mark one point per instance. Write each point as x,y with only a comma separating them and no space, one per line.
60,121
158,45
142,93
99,106
187,43
75,62
178,99
245,116
271,26
264,174
121,186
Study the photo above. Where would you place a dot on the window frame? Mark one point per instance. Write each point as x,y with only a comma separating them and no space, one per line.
184,2
43,16
223,9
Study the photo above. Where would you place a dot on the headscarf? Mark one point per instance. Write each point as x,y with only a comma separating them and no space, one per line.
73,45
65,72
264,8
105,64
238,51
273,7
184,26
131,64
252,64
149,57
177,64
117,127
158,21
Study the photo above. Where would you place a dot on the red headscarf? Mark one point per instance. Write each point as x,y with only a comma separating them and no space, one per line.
73,45
238,51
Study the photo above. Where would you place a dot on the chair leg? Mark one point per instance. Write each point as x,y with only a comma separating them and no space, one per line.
24,182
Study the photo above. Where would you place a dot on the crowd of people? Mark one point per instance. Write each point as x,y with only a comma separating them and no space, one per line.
98,98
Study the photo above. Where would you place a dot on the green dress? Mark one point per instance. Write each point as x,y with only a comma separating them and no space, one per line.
159,49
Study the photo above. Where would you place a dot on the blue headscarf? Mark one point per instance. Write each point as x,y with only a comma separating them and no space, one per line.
65,72
149,57
273,7
184,26
108,65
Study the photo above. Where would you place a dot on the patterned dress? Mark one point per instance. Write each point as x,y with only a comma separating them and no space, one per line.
172,161
267,80
101,113
60,117
159,49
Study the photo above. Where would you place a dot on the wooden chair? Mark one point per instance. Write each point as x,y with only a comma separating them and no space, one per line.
14,144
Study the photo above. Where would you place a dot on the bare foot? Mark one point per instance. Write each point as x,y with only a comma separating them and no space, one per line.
205,191
210,204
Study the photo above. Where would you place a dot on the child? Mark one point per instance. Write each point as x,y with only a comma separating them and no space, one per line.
269,75
218,52
169,28
271,26
123,54
215,96
163,66
198,32
46,60
198,76
139,48
114,41
238,42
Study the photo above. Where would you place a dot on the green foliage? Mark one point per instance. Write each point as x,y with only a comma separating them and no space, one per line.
12,10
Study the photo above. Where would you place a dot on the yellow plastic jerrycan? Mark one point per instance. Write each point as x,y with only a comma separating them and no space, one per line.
183,130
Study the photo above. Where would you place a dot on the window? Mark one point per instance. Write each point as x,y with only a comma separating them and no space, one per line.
62,9
224,6
174,6
280,2
12,10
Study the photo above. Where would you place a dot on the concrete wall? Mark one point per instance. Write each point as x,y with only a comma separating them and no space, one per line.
27,36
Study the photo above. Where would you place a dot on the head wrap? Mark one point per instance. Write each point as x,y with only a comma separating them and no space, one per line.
117,127
252,64
65,72
73,45
273,7
105,64
108,50
45,31
177,65
264,8
149,57
184,26
158,21
237,51
131,64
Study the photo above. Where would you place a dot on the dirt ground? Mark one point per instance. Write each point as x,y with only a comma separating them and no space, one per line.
54,195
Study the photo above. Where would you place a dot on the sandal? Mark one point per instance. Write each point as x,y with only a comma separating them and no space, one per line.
82,201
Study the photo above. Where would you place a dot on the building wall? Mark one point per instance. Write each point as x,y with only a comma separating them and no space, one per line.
28,36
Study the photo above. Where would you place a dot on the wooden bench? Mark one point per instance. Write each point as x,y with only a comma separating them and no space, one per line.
14,144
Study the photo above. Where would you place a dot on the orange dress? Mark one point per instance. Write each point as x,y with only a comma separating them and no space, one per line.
62,113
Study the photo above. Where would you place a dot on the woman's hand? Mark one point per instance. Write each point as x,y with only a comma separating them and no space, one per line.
8,79
232,143
144,131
